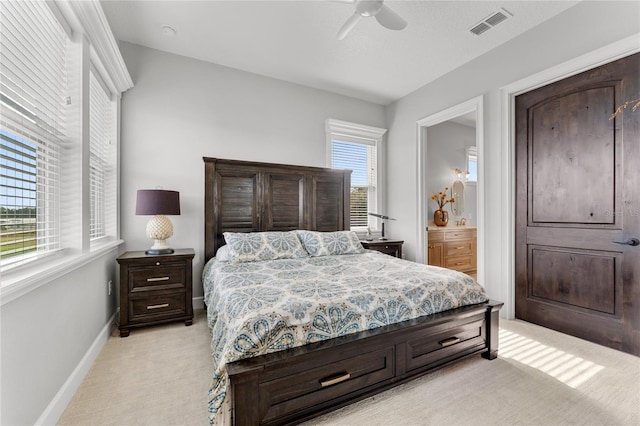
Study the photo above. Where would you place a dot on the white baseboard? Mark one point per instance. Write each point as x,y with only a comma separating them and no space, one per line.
198,302
56,407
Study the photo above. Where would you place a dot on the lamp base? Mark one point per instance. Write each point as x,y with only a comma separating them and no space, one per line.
154,252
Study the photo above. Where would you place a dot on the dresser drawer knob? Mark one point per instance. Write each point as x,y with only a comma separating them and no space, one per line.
334,379
157,279
157,263
162,305
450,341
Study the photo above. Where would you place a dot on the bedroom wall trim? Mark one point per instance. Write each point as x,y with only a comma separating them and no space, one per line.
601,56
56,407
472,105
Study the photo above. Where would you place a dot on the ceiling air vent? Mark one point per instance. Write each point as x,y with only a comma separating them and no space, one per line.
490,22
480,28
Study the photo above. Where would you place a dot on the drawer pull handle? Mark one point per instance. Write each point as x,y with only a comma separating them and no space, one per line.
461,263
335,379
162,305
450,341
460,248
157,279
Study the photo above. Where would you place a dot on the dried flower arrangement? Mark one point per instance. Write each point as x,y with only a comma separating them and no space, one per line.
624,106
441,198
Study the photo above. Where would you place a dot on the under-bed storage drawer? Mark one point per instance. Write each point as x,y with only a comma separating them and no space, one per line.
440,345
316,384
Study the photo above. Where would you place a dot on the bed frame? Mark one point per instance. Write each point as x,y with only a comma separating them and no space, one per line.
291,386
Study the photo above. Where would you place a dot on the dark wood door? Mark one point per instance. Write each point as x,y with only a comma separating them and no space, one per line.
577,203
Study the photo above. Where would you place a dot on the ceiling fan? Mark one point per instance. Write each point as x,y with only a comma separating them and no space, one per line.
368,8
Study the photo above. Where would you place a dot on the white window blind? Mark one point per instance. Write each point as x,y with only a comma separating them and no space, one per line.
362,159
100,167
357,147
33,99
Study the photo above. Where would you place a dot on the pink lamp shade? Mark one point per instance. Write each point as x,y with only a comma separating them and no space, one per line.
158,202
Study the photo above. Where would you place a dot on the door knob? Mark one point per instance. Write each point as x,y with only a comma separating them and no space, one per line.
630,242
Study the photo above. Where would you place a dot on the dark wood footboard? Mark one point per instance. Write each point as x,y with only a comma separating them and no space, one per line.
291,386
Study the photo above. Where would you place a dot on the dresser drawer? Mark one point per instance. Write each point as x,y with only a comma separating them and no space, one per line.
462,234
461,263
318,384
438,346
156,306
168,275
458,248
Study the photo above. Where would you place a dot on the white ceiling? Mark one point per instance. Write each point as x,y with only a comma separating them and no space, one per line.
296,40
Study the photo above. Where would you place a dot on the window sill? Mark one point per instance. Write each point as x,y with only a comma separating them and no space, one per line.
18,282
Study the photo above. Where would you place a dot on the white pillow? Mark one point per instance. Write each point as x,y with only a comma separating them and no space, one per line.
223,254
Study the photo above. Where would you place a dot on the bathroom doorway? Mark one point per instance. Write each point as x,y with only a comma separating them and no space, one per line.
449,140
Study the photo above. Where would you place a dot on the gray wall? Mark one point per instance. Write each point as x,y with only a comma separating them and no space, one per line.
182,109
446,151
46,333
577,31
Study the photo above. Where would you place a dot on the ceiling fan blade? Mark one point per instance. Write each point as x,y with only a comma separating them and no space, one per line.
348,26
389,19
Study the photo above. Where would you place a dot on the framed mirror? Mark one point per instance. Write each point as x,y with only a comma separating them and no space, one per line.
457,192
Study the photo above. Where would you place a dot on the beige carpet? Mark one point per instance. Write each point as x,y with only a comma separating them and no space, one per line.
160,376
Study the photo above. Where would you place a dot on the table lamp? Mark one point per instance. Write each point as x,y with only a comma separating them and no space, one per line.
383,218
158,202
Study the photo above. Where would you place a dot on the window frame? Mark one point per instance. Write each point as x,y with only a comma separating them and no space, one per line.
367,135
471,154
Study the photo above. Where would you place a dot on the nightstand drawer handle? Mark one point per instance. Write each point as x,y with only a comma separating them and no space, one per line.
450,341
157,279
163,305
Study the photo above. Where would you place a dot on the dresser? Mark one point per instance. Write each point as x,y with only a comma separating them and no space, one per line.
390,247
155,289
453,248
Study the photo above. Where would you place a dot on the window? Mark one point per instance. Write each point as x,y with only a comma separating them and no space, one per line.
472,164
33,93
101,155
356,147
59,100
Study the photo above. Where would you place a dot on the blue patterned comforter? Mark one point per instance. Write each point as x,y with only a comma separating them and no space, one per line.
260,307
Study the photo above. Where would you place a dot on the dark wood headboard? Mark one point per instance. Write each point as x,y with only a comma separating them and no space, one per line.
244,196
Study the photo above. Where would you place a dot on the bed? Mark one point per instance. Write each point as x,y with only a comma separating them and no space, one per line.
304,355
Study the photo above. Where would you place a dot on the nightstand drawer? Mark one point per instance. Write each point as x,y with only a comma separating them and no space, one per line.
166,276
156,306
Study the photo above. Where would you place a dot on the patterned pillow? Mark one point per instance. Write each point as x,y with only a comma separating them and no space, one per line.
330,243
253,246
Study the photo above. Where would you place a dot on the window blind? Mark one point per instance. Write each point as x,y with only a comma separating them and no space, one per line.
361,158
33,87
100,121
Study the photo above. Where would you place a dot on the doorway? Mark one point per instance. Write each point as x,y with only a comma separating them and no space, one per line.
471,109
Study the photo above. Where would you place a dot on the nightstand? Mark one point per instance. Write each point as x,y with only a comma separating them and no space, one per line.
390,247
155,289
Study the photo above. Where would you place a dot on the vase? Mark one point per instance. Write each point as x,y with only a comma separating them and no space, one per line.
441,217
